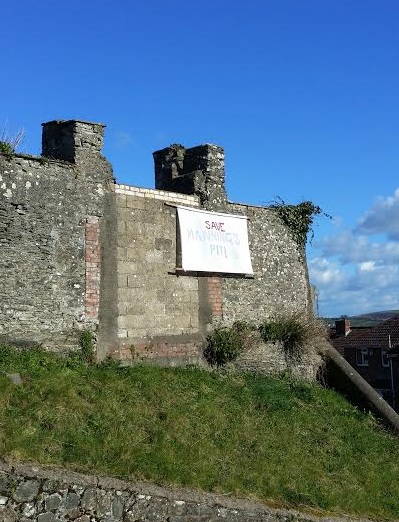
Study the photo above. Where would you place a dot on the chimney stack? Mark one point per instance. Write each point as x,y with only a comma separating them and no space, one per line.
342,327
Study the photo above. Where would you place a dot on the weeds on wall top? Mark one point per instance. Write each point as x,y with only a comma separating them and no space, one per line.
225,344
295,332
291,332
299,218
9,142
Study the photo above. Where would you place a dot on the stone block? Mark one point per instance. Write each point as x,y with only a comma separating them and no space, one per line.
126,268
128,215
53,502
165,245
138,308
121,253
121,201
135,229
139,333
129,322
124,240
135,253
122,280
136,281
135,202
153,205
127,295
154,256
26,491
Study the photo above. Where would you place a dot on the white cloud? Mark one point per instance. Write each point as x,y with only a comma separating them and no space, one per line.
354,289
351,247
325,273
354,273
382,218
367,266
123,139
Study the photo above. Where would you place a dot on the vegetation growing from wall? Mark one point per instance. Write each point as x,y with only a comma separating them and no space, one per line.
226,344
289,331
279,440
299,218
9,143
295,332
86,342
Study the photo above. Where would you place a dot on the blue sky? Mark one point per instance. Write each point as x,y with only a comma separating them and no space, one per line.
302,95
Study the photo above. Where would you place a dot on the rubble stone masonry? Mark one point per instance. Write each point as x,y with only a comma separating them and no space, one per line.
78,251
55,495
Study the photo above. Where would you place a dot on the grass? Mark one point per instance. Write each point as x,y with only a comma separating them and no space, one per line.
9,142
277,440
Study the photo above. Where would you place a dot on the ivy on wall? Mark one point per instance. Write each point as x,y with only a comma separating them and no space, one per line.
299,218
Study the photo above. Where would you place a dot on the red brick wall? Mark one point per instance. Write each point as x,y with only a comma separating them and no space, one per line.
92,259
215,295
159,350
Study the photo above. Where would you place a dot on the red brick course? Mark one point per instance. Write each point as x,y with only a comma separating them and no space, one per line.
215,295
92,259
153,351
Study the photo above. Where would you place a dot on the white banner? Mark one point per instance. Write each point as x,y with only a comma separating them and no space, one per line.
213,242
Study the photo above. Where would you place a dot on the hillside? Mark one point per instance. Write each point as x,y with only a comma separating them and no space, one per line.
368,319
278,440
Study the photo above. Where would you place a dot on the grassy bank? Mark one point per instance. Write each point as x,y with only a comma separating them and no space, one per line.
274,439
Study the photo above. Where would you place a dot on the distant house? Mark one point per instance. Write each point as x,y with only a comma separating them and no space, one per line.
373,352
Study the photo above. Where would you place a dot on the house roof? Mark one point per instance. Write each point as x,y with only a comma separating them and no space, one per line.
374,337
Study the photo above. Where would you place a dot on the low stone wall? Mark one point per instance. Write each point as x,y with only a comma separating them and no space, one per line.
29,493
270,359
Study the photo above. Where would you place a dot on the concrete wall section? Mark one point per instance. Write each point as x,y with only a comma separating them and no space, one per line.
280,283
158,308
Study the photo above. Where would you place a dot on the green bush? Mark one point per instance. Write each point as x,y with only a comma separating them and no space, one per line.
226,344
6,149
86,342
9,142
290,331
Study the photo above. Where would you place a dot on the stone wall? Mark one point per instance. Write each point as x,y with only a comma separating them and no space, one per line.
32,493
47,207
78,251
280,283
158,309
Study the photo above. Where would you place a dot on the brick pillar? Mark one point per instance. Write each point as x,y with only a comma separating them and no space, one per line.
215,295
92,259
342,327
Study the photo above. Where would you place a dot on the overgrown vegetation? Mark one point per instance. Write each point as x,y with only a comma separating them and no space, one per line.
86,342
278,440
299,218
225,344
295,333
9,142
289,331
